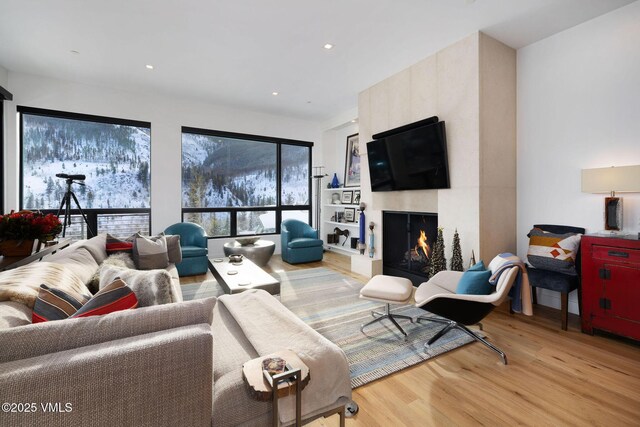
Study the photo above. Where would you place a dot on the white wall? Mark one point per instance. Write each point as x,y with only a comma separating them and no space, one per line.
166,114
578,107
4,77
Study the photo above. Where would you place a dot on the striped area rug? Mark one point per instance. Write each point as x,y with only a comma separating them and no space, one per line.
329,303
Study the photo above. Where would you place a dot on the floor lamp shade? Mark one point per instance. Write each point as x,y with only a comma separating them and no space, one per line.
611,180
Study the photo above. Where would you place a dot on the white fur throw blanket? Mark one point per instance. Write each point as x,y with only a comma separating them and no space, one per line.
23,283
270,327
152,287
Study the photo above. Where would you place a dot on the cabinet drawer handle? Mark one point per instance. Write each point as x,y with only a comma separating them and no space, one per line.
619,254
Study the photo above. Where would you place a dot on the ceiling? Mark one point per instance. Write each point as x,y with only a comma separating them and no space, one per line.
237,52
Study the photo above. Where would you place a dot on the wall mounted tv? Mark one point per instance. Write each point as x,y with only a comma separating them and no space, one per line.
414,158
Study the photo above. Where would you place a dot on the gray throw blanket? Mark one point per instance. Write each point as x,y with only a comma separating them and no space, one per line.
269,327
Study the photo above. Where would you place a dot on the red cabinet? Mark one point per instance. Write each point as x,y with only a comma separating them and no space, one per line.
611,285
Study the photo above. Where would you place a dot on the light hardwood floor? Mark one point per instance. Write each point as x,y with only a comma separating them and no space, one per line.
553,378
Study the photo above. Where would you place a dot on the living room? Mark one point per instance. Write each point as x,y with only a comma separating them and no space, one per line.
559,100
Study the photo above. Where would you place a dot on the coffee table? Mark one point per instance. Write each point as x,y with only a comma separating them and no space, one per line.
236,278
259,252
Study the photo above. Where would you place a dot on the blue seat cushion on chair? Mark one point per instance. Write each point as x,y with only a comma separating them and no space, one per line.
193,251
304,242
552,280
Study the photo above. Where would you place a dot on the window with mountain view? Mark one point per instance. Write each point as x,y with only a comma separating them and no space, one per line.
234,184
114,156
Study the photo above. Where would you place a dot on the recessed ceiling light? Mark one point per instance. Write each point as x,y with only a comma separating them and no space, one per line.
75,52
274,93
149,67
328,46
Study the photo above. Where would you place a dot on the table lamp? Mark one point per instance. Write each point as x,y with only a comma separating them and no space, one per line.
611,180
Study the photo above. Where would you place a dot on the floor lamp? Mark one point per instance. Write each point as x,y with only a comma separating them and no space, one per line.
318,175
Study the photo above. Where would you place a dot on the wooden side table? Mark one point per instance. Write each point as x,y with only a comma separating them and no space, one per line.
291,381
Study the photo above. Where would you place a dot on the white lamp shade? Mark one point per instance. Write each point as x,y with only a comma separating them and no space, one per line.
606,180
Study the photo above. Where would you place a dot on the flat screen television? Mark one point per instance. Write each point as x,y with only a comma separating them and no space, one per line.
415,159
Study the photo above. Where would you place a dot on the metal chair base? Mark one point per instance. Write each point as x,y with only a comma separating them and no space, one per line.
450,324
388,315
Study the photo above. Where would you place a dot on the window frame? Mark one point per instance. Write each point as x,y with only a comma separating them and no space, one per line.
91,213
233,210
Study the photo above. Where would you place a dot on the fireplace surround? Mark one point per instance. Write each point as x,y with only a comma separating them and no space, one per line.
407,243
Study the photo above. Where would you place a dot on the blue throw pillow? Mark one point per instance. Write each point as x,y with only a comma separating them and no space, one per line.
475,281
478,267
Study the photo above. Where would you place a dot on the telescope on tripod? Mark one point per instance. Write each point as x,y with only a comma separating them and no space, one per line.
66,201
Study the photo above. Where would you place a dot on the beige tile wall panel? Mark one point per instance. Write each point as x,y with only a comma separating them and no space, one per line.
452,85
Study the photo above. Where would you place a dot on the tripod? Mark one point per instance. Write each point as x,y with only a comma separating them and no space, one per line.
66,203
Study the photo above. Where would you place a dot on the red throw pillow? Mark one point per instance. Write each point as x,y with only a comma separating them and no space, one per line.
115,296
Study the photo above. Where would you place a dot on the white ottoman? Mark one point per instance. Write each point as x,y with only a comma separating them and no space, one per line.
389,290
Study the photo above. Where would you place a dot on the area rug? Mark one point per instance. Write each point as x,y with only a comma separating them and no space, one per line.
329,303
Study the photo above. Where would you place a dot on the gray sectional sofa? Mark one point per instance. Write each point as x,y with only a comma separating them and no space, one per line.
175,364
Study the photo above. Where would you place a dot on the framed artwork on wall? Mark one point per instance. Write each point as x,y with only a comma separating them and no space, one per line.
349,214
352,162
347,197
356,197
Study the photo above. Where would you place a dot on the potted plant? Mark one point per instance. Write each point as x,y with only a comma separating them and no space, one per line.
19,230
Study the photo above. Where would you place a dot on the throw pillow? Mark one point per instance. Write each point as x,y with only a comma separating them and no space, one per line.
56,304
150,253
173,248
475,282
116,296
151,287
116,244
555,252
478,266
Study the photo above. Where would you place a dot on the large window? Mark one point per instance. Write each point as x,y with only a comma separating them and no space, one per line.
113,155
236,184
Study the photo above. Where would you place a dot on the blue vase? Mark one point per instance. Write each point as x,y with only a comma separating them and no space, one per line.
334,181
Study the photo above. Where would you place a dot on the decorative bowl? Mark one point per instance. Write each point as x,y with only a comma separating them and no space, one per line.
244,241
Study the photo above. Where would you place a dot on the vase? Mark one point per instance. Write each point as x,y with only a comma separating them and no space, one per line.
16,247
334,181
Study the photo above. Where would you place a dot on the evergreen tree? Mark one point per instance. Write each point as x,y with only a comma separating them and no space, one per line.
438,261
456,258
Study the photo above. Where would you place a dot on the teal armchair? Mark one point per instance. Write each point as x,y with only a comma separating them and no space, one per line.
299,242
193,244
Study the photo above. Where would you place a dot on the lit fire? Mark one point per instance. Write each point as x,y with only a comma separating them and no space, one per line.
422,245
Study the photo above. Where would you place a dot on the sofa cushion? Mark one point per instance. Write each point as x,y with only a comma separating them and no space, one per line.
50,337
150,252
22,284
95,246
56,304
193,251
304,242
152,287
554,252
173,248
116,296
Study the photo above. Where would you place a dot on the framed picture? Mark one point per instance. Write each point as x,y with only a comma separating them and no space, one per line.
349,214
356,197
340,217
352,162
347,197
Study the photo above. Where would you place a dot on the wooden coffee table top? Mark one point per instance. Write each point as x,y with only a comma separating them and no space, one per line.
236,278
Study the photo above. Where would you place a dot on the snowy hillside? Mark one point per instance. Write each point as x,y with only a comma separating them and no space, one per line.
114,158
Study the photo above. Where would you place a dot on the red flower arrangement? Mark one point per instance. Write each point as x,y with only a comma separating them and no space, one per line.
27,225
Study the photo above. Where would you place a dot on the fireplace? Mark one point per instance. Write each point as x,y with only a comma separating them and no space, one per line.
407,244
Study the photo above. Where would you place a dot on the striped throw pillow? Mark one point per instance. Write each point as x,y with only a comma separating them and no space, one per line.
56,304
116,244
115,296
